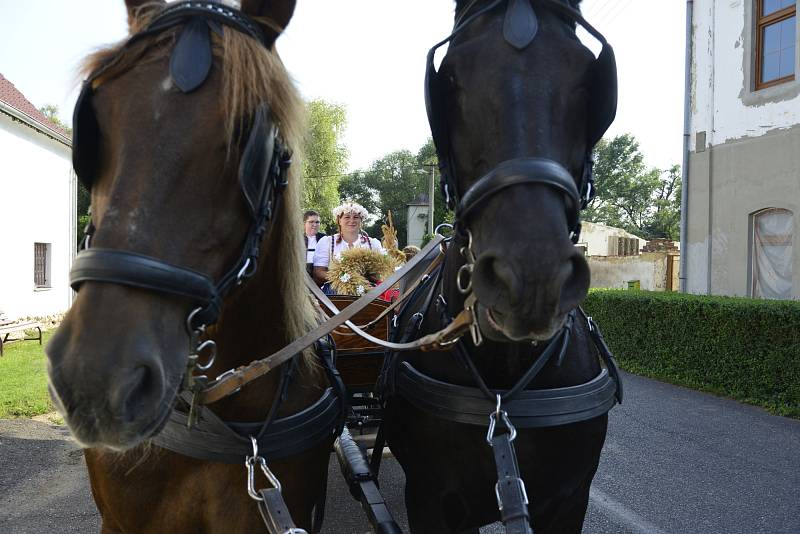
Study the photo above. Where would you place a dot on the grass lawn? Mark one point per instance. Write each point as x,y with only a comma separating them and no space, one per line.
23,380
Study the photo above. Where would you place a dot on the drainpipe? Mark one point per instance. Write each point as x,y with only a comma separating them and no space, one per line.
687,115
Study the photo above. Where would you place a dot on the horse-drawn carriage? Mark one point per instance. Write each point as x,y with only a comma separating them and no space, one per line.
184,134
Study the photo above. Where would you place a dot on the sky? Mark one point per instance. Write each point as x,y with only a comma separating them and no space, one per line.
369,56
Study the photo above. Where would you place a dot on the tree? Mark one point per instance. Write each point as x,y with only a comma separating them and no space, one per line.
642,201
666,218
50,111
325,157
390,183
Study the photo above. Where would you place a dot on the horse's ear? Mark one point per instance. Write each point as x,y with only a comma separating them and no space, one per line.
135,7
273,15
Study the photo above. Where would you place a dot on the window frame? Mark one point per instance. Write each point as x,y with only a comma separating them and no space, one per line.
761,22
41,278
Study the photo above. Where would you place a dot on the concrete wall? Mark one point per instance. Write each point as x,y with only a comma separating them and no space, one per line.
744,150
417,224
614,272
37,196
728,184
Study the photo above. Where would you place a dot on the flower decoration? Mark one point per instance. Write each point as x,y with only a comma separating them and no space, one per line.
349,207
358,269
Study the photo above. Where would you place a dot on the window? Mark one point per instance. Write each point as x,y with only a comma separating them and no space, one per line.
776,24
41,264
772,254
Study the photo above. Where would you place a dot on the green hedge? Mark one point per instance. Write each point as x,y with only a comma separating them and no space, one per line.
746,349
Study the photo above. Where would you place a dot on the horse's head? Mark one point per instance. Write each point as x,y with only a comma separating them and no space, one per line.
515,107
179,134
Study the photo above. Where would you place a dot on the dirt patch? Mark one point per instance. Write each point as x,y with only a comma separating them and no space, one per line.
52,418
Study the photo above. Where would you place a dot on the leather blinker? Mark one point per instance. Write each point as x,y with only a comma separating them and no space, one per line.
521,24
256,160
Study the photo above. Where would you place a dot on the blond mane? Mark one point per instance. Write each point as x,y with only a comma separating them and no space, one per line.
251,75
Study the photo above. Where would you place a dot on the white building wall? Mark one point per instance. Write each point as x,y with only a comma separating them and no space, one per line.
595,237
744,149
417,224
724,104
37,194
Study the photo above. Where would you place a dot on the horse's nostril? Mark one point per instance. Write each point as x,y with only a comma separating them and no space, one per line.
576,282
141,388
493,280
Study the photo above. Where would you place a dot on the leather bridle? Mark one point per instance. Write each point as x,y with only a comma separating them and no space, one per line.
520,29
263,169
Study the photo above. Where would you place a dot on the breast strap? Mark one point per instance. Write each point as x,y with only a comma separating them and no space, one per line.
528,408
216,440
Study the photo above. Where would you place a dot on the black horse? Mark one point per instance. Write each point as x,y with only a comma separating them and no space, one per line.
515,108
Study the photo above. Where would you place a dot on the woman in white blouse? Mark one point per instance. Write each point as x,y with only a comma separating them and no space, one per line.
349,217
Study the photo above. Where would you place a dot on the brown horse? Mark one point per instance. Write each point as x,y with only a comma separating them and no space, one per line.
515,109
165,166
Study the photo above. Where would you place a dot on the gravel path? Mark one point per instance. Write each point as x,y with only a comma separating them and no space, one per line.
43,481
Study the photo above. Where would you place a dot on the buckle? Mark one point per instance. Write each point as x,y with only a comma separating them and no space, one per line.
520,488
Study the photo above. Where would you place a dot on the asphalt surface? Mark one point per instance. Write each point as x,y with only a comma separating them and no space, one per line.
675,461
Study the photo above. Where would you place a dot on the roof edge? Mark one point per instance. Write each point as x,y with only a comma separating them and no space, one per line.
36,125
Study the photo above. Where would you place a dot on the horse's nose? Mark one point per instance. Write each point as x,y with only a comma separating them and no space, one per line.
495,281
510,285
136,391
576,278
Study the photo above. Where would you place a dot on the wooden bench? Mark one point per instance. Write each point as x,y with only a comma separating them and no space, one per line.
8,328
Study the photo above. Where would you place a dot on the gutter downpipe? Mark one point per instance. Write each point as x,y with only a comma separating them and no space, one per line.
687,86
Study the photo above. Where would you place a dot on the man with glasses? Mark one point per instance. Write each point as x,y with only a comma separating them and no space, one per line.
311,235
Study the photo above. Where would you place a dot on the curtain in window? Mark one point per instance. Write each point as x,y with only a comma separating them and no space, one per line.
772,254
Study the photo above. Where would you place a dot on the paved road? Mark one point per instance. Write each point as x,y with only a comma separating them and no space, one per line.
676,461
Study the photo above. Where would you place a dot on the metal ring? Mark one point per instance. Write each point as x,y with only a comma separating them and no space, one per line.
466,268
249,462
190,319
493,423
209,343
467,252
443,225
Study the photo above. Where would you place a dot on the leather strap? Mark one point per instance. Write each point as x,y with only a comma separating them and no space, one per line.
362,484
437,341
213,439
231,381
522,171
137,270
275,514
512,499
531,408
408,292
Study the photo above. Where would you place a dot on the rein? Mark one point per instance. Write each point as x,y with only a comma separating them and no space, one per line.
233,380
